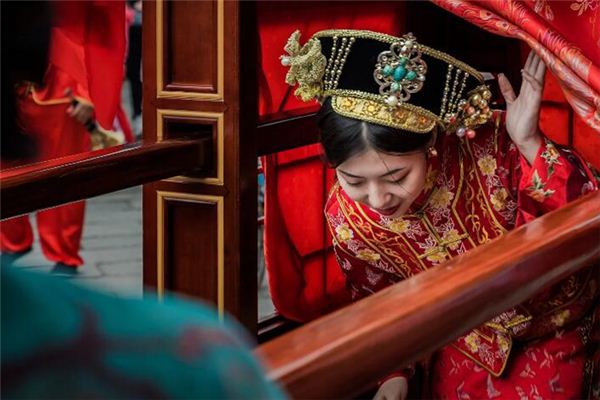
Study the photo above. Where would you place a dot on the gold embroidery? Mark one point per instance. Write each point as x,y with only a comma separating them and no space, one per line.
343,233
504,343
472,340
404,116
483,199
441,197
429,178
439,255
560,318
368,255
487,165
399,265
451,239
498,199
405,245
459,190
399,225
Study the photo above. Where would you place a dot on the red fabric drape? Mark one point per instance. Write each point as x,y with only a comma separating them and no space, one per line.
566,34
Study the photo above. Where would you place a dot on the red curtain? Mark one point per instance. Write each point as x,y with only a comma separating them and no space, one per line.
566,34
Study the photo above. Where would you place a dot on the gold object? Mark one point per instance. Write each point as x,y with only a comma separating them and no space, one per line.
102,138
307,66
395,92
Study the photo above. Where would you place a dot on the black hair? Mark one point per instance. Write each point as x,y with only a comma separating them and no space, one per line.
343,137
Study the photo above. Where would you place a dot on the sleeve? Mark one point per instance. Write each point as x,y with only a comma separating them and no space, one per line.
407,373
526,191
556,177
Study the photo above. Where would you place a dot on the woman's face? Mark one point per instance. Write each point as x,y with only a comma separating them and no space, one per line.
386,183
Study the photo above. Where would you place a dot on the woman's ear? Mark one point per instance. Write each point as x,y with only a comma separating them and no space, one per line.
431,151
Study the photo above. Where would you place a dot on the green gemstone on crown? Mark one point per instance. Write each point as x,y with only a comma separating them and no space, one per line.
399,73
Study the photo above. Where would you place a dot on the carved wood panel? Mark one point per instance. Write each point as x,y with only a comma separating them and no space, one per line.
200,229
189,44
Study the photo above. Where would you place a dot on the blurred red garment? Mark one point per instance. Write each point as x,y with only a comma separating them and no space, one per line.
87,49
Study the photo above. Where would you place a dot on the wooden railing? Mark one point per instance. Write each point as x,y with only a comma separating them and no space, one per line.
54,182
342,354
286,130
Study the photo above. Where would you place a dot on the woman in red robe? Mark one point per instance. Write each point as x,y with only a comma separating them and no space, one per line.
85,67
417,185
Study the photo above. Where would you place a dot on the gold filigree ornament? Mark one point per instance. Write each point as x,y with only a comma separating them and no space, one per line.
470,113
400,71
307,66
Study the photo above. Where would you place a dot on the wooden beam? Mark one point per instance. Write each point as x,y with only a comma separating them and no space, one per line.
288,130
51,183
341,354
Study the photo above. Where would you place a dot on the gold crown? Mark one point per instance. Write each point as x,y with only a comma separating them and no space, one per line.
387,80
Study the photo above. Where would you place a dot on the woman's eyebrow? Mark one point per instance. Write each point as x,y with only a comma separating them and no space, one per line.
351,175
392,172
362,177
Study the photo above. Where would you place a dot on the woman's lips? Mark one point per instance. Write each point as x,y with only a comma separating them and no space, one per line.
387,211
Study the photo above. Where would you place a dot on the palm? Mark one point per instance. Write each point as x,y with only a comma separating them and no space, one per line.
522,111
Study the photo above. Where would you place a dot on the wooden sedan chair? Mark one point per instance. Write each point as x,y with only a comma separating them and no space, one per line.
213,102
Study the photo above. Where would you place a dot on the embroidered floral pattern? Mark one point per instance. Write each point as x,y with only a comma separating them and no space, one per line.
487,165
441,198
496,177
543,8
498,199
551,157
582,6
437,256
451,239
368,255
461,201
399,225
538,190
472,340
344,233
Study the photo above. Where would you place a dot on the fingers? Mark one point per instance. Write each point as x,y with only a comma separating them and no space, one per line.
533,73
535,61
540,71
506,89
528,61
537,85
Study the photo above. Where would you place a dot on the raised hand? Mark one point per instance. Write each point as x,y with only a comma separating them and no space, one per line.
523,111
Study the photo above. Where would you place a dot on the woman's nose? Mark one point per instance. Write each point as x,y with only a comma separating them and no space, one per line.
377,198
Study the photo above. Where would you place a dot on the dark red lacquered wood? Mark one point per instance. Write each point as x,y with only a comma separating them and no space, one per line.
80,176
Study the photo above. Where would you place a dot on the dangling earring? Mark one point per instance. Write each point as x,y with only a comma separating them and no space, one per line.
431,151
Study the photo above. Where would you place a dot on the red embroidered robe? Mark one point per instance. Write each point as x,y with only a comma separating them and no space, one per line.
475,191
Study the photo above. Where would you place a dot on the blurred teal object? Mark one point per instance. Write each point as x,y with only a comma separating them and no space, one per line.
63,341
